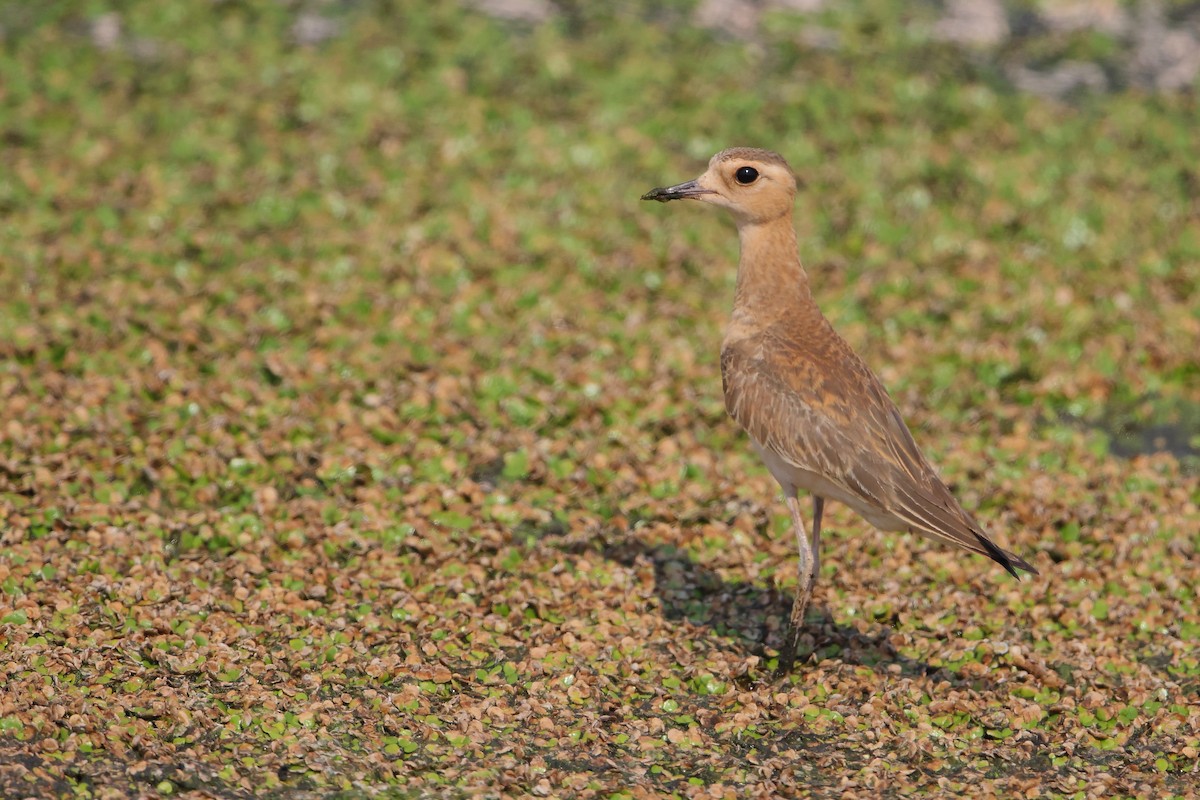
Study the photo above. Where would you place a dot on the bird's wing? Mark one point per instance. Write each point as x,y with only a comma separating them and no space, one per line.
814,403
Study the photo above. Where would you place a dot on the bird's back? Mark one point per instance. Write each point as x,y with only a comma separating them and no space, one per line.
825,423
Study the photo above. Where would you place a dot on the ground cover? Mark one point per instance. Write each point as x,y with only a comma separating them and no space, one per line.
361,432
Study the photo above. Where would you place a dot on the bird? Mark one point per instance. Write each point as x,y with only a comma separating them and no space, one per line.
819,418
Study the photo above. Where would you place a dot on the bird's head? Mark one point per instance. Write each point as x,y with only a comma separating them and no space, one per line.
755,185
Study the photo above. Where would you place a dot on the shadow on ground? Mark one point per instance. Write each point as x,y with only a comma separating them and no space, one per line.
751,616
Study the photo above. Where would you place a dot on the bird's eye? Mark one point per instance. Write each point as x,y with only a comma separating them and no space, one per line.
746,175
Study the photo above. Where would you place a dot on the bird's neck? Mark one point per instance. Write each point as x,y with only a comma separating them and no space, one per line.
770,277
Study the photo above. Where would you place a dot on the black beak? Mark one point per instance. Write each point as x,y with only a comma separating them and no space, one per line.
681,191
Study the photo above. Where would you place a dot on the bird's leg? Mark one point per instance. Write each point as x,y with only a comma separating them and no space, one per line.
787,655
818,512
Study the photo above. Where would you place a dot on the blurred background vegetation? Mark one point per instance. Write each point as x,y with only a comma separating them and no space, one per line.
417,148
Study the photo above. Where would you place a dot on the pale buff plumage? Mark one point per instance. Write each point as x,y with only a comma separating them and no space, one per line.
819,417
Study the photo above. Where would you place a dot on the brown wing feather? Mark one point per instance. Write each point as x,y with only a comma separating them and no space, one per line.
802,393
